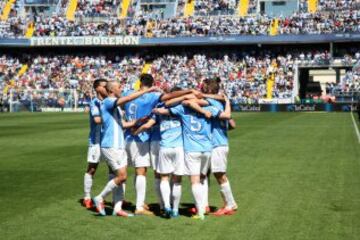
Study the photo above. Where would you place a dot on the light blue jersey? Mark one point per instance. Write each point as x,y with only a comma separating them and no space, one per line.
138,108
95,129
196,128
112,134
170,131
219,127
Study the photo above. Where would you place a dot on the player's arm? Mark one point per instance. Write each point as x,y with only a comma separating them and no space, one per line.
196,107
128,124
175,94
226,114
232,124
122,100
151,122
161,111
95,113
178,100
218,97
201,102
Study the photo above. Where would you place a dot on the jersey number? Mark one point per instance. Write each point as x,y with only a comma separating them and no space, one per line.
132,111
195,124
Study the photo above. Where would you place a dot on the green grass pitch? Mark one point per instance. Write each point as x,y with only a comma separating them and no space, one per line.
294,176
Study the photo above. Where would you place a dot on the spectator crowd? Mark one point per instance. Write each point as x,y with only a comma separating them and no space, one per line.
343,20
243,75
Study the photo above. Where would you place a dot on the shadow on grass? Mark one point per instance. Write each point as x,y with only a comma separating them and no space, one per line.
184,210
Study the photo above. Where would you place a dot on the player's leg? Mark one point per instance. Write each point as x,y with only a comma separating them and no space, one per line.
176,195
226,193
193,169
205,185
141,154
88,182
197,191
120,179
154,157
165,168
116,160
205,167
219,167
166,193
93,159
179,168
140,189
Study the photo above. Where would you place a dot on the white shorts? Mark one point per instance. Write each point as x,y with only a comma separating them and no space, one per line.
171,160
197,163
115,158
219,159
138,154
154,154
94,154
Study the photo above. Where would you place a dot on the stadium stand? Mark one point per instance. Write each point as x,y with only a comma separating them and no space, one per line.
100,8
246,77
299,23
200,18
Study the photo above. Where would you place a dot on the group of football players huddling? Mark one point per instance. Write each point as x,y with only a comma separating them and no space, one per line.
177,132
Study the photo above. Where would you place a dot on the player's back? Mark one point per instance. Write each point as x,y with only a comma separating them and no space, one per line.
170,132
219,127
196,129
138,108
112,132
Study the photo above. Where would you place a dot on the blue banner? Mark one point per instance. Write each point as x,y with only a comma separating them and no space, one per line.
178,41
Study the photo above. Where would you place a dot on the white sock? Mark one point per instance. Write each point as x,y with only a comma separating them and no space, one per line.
197,191
111,185
165,192
124,188
119,197
228,195
88,181
140,187
157,183
176,194
206,191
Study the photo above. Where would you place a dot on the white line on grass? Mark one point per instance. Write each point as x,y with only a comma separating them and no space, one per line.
355,126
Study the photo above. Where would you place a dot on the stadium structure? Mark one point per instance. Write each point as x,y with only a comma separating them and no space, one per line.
294,174
270,55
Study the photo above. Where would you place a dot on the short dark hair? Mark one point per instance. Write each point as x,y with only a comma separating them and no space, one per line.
146,80
98,81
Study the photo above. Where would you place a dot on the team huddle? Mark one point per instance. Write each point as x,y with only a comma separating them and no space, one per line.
177,133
